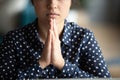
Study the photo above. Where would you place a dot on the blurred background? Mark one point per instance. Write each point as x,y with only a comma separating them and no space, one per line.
100,16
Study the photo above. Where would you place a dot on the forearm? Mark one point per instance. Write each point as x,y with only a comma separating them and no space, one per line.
73,71
33,72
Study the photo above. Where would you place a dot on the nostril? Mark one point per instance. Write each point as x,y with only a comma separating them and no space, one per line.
51,6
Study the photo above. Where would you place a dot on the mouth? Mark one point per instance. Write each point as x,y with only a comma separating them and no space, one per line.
52,15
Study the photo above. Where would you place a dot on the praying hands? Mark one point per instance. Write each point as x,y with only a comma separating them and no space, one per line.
52,51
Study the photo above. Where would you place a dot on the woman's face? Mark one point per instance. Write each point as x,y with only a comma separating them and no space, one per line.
47,9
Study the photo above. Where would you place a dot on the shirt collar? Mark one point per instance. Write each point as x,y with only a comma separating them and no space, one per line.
34,29
66,35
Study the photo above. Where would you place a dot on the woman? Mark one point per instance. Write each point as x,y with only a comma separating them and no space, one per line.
51,47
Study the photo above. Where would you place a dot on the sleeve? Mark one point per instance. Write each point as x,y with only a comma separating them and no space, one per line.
9,68
92,63
7,59
33,72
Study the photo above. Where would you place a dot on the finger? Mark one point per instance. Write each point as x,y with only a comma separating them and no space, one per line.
51,24
55,42
52,41
55,28
48,39
46,53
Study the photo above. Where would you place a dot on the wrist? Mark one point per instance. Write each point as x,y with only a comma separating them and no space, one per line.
60,67
42,64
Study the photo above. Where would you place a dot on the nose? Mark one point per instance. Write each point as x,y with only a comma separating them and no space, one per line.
52,4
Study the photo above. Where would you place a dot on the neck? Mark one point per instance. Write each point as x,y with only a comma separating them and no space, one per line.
44,27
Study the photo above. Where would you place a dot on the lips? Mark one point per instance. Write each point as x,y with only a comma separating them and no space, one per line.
52,15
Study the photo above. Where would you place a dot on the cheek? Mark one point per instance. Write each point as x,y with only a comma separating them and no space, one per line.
65,10
66,7
39,11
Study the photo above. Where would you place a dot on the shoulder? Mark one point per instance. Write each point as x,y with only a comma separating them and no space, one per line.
78,30
20,32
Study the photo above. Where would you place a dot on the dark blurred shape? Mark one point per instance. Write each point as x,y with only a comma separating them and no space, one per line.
9,13
27,15
1,38
104,11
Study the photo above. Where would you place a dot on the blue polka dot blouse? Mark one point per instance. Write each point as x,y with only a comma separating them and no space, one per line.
21,49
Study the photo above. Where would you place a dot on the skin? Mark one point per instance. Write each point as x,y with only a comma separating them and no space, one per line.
51,15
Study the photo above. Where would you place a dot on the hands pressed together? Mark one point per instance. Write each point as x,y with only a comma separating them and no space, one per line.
52,51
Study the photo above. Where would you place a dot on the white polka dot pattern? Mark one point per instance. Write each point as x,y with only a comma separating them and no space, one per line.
21,50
